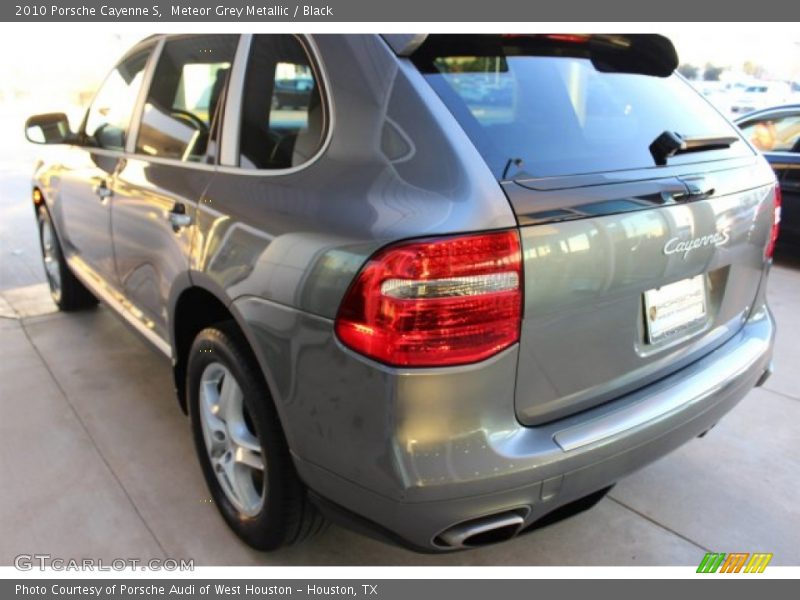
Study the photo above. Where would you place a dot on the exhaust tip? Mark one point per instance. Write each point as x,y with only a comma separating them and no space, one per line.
483,531
765,375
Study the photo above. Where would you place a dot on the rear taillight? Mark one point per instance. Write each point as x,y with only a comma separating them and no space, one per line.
776,223
436,302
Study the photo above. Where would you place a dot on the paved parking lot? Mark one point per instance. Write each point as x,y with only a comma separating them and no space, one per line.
96,457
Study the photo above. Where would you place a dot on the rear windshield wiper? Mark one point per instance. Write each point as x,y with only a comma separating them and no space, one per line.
670,143
515,162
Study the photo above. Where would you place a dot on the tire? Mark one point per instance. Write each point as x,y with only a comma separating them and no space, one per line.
66,290
235,428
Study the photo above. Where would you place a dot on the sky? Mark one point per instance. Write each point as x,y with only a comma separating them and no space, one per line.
777,50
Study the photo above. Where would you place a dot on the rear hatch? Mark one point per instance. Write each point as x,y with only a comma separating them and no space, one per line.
640,255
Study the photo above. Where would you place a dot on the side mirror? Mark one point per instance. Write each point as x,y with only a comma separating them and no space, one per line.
49,128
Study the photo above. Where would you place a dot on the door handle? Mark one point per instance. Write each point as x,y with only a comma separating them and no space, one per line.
178,217
102,191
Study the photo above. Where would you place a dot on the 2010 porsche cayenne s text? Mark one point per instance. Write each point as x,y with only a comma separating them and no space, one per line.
454,290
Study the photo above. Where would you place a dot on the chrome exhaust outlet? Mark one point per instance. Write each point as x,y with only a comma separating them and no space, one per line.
479,532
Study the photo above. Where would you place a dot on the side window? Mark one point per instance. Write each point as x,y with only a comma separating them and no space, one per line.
283,120
187,86
109,116
781,134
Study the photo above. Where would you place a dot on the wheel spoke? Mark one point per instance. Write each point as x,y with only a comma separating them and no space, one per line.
50,256
249,458
241,436
227,476
240,479
214,430
230,400
232,407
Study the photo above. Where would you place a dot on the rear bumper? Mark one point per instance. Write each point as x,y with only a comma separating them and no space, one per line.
453,468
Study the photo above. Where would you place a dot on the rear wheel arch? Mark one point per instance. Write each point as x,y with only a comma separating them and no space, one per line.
194,308
204,323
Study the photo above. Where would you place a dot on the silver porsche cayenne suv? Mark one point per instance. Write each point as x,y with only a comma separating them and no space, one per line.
444,289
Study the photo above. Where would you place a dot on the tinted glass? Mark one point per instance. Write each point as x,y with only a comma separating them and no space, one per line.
282,111
109,116
532,115
182,101
776,134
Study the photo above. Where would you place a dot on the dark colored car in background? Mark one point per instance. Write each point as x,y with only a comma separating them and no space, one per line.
464,288
776,132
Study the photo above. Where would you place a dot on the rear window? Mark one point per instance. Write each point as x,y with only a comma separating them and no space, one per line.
547,111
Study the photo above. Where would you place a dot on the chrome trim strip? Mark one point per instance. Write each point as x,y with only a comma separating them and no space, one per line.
229,142
175,162
116,302
727,368
151,159
102,151
144,90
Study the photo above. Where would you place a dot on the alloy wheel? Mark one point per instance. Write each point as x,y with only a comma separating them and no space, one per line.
233,447
52,266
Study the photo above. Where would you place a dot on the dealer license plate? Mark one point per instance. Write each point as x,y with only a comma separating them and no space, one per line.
675,308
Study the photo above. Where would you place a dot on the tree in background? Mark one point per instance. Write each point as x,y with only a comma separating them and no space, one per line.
712,73
753,69
688,71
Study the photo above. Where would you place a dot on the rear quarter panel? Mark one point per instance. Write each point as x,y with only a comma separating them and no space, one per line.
396,166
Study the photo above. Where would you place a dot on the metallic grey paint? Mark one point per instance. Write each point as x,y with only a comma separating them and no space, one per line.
581,401
583,288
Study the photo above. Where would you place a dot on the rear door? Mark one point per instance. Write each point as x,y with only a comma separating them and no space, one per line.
636,263
157,190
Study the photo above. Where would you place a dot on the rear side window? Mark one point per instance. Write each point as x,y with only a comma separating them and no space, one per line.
283,117
110,113
187,86
543,110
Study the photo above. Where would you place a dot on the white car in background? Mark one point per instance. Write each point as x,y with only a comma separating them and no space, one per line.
761,95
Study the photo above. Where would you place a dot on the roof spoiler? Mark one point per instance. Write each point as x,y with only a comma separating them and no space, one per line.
404,44
647,54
